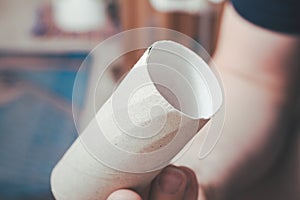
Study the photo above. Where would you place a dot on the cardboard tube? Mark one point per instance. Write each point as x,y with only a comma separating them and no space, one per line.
165,99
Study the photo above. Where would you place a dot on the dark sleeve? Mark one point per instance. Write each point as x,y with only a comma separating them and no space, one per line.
277,15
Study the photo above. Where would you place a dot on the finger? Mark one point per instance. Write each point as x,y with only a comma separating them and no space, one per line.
124,194
191,190
169,185
145,192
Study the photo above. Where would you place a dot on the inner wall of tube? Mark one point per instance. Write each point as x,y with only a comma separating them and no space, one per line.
179,82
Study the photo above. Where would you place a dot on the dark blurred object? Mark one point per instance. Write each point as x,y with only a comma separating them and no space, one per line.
113,12
36,120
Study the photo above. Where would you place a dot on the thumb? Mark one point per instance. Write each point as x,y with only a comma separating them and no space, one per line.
124,194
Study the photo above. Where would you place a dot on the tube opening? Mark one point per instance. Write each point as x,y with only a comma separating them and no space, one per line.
190,86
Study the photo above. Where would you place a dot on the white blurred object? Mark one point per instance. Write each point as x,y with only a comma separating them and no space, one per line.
79,15
192,6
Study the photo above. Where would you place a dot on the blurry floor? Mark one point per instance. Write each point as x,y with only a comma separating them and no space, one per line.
36,122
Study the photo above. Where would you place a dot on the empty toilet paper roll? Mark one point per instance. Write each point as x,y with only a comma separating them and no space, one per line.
166,98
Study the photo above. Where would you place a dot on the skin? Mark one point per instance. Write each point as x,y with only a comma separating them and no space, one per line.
173,183
255,151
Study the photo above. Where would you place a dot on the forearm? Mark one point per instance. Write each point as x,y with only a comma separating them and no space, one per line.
255,65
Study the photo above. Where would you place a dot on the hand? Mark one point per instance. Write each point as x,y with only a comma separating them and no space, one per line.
173,183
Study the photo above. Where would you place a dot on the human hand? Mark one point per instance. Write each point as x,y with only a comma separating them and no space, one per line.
173,183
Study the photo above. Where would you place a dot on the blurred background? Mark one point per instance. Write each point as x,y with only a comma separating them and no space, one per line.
42,45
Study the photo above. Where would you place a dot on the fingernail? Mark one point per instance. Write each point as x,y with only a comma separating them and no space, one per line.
170,180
